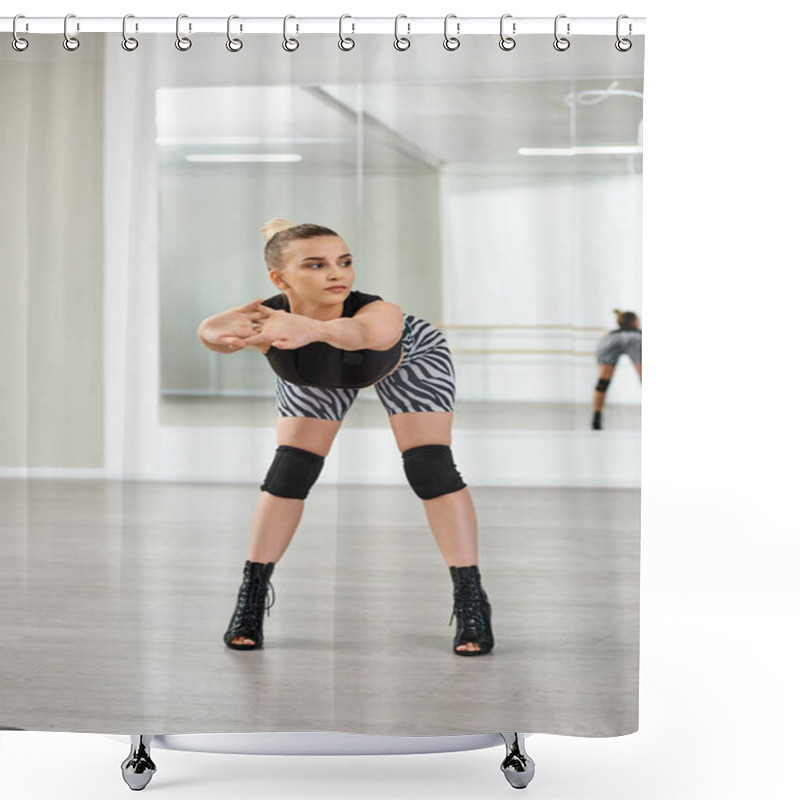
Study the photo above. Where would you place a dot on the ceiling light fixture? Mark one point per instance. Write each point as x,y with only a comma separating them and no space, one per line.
244,158
249,140
621,150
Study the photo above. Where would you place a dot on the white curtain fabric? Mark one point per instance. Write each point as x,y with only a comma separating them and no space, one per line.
128,443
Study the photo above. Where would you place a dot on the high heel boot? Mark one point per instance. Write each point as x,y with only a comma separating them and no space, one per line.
248,617
472,611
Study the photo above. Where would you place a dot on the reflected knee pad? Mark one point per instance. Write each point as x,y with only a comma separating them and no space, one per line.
602,384
293,472
431,471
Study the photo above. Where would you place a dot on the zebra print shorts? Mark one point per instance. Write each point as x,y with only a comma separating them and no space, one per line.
424,381
615,344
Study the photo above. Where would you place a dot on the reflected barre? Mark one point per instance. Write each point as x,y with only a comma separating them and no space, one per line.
487,351
442,326
599,331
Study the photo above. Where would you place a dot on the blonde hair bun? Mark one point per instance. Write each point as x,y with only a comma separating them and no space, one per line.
274,226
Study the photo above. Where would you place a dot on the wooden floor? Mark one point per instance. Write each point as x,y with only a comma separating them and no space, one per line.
115,596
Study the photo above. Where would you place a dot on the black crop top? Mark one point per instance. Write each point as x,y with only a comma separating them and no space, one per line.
321,364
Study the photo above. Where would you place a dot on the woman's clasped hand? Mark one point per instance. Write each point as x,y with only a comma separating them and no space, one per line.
283,330
232,328
255,325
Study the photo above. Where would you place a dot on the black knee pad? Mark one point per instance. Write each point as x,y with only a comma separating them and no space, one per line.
293,472
431,471
602,384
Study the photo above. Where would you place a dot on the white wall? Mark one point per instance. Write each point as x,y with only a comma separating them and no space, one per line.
52,259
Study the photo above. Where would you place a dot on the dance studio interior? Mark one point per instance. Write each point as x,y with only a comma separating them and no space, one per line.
132,456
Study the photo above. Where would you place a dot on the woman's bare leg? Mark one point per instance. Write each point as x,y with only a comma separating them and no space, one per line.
276,518
605,371
273,526
452,516
455,527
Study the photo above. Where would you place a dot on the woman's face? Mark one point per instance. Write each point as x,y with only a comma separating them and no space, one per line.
318,270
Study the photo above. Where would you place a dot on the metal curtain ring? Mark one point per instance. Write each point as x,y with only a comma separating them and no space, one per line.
451,42
623,45
507,42
345,43
289,45
70,42
561,43
128,42
400,42
183,43
234,45
18,43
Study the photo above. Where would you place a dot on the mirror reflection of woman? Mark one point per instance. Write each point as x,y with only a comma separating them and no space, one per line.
627,340
325,341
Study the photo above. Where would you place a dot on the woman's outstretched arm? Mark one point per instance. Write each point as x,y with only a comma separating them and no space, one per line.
378,326
381,324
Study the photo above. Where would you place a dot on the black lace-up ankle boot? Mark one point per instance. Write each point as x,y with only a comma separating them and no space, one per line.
472,611
248,618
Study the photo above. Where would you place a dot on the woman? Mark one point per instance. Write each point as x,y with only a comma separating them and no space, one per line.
325,341
626,339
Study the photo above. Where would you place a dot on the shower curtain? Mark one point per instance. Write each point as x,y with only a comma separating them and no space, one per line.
492,192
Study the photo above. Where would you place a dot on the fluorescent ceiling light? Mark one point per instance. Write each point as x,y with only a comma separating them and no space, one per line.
244,158
248,140
581,151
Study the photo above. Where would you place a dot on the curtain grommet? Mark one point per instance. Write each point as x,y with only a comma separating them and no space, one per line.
401,43
17,42
346,43
234,45
289,44
561,43
70,43
451,43
183,43
129,43
507,42
622,44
